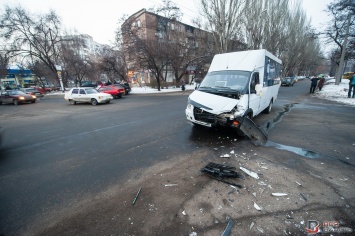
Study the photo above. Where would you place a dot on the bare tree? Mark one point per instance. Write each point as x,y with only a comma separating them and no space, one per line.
224,18
4,62
343,19
36,37
112,63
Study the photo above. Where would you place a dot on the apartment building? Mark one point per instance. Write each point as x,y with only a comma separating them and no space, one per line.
192,46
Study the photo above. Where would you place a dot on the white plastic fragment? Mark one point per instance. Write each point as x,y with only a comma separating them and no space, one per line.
257,207
225,155
233,187
279,194
298,183
232,152
251,225
184,213
254,194
170,185
193,234
250,173
264,167
260,229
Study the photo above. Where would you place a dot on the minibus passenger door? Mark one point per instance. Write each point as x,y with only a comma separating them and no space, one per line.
254,96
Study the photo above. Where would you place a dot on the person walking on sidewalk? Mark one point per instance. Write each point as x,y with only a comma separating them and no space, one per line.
321,83
314,81
352,85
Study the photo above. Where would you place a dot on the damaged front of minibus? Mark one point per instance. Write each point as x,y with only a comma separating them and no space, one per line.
223,99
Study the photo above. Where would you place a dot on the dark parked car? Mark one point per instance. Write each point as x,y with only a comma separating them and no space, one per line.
16,97
32,91
88,84
289,81
126,87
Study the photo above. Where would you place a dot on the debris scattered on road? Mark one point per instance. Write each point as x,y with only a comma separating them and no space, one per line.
257,207
135,199
225,156
260,229
254,194
298,183
184,213
221,173
304,197
279,194
193,234
169,185
228,229
251,225
250,173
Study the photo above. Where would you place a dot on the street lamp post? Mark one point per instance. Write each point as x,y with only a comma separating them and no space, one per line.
341,63
59,72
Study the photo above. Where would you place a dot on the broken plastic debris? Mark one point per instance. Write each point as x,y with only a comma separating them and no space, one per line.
257,207
260,229
135,199
279,194
170,185
264,167
298,183
250,173
232,152
304,197
221,173
228,228
254,194
251,225
193,234
225,155
184,213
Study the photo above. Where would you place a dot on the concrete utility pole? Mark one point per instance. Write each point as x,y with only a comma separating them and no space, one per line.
341,63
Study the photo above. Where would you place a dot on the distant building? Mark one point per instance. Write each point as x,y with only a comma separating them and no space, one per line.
17,76
150,26
194,43
88,48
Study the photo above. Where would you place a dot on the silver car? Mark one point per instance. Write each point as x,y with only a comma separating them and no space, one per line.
87,95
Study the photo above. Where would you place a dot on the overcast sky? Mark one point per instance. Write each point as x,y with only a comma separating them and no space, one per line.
100,18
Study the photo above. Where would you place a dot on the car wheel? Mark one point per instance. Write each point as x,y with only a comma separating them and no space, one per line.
33,101
93,102
108,101
15,102
72,102
268,109
120,95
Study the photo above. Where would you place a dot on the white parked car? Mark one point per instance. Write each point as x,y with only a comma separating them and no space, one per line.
88,95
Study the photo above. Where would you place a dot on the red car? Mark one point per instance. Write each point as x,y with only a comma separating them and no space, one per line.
16,97
44,90
115,92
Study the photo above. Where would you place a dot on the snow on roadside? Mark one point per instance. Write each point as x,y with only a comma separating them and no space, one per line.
330,91
337,93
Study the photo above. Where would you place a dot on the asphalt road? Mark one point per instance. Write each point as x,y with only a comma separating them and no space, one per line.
55,155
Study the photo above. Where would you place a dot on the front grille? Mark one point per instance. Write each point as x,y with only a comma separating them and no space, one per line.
204,116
